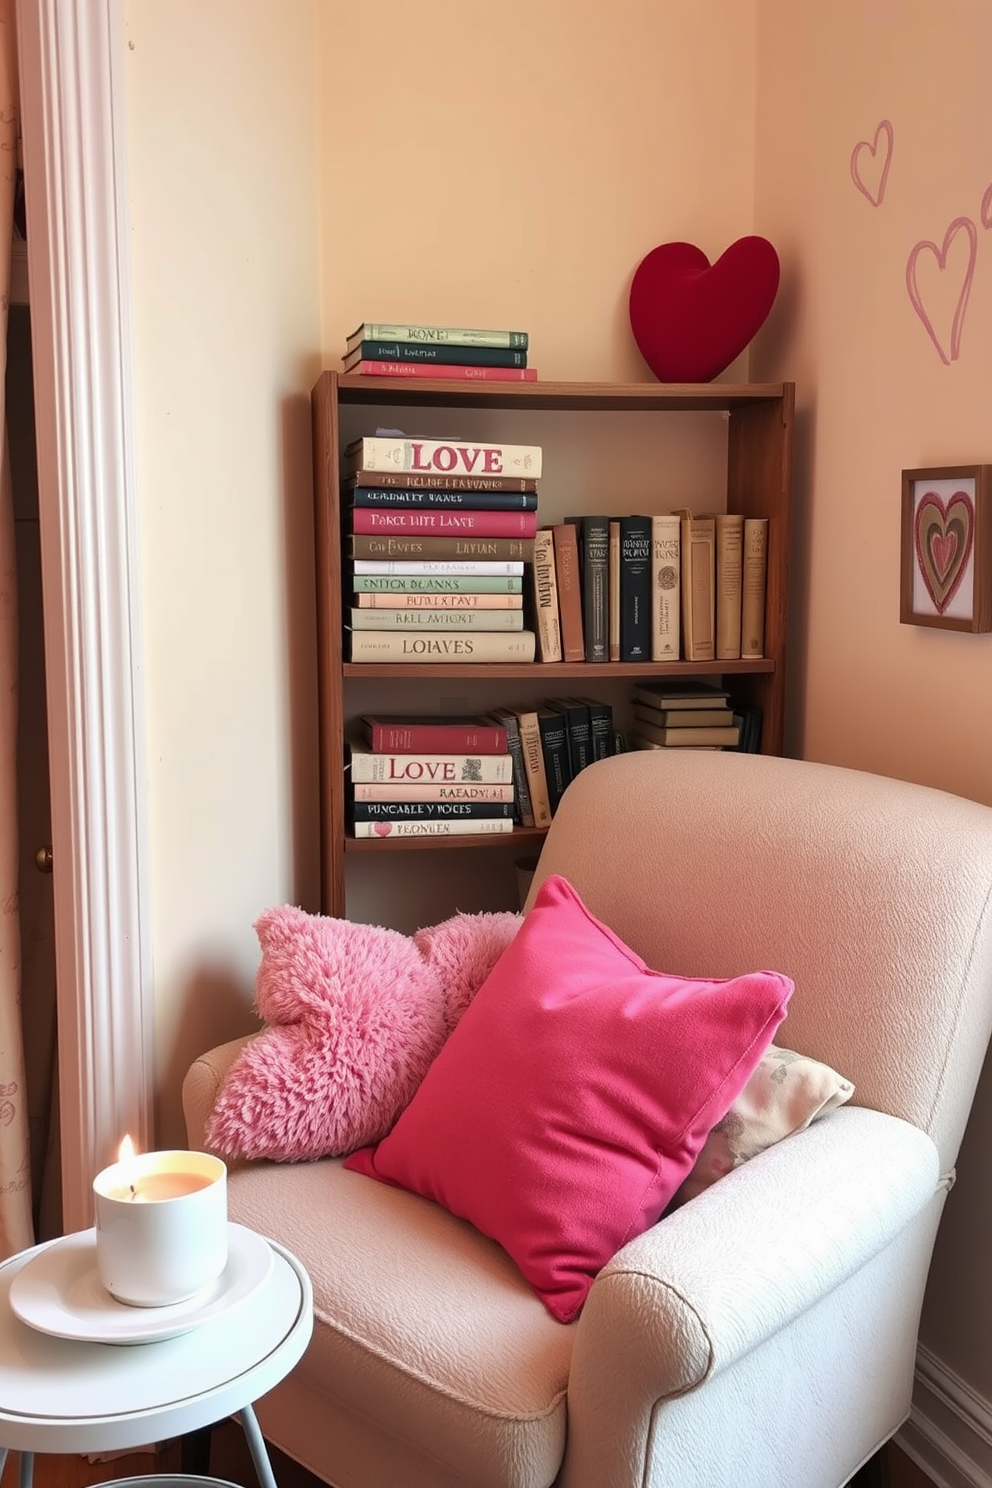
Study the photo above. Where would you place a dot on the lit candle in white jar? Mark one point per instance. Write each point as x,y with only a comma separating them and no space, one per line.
161,1225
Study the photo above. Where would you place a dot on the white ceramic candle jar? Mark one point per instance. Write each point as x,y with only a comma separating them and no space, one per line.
161,1226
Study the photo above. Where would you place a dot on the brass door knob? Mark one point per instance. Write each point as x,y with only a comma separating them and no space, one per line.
43,859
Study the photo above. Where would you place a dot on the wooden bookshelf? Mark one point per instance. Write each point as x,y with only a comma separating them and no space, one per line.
758,483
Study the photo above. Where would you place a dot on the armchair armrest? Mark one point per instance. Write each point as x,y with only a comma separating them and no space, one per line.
734,1267
202,1086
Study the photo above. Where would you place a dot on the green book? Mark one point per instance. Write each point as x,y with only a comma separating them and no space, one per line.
436,584
374,330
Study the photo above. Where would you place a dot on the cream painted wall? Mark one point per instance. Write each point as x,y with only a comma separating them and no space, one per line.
509,165
221,144
875,397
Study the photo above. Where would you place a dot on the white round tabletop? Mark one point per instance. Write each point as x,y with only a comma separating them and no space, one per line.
64,1395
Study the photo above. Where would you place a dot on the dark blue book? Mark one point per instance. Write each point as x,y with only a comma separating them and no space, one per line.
601,727
554,747
429,810
594,534
635,588
445,356
579,731
748,721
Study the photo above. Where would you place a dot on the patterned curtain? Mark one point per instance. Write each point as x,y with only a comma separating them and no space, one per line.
16,1230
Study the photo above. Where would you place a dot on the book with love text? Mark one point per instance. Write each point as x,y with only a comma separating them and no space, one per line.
427,767
438,335
444,456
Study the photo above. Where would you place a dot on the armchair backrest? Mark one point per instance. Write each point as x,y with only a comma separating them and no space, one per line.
872,894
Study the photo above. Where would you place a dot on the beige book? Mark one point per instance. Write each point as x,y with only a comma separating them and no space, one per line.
666,586
698,537
537,780
448,620
683,717
753,584
725,736
729,554
548,621
476,826
613,624
462,648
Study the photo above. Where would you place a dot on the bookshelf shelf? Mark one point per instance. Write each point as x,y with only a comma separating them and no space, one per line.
757,426
549,671
592,397
434,844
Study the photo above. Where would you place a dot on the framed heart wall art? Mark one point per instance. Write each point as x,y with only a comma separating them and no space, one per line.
946,573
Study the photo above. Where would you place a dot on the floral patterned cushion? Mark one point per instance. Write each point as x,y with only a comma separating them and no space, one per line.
786,1092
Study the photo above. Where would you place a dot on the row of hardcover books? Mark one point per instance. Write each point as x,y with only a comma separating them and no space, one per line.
664,587
439,534
484,774
375,349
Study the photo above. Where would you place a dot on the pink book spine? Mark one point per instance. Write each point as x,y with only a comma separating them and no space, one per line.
433,369
370,521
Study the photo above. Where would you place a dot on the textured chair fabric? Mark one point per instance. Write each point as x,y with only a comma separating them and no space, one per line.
764,1334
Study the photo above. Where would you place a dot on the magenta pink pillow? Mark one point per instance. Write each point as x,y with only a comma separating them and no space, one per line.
574,1095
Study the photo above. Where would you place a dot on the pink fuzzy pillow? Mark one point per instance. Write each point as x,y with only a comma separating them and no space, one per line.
355,1015
463,951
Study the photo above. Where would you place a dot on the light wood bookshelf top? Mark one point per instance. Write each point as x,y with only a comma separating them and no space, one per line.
621,396
552,671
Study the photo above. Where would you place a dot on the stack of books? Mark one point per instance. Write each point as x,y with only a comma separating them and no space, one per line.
377,350
439,534
430,777
683,717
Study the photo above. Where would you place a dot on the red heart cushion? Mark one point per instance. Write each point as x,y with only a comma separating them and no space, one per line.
691,318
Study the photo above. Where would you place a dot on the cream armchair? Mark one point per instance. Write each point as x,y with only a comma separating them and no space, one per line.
763,1335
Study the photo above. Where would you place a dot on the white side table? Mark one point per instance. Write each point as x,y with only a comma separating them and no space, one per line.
64,1395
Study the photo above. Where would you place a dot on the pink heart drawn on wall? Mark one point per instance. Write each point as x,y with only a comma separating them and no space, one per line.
962,278
986,213
944,535
870,161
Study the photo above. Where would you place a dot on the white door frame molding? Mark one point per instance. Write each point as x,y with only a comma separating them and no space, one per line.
70,56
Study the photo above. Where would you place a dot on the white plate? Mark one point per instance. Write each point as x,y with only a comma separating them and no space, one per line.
60,1293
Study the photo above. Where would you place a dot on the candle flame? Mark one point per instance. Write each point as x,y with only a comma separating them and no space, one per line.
126,1150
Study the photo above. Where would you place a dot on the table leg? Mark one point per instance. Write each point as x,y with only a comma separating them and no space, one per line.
256,1446
194,1452
26,1469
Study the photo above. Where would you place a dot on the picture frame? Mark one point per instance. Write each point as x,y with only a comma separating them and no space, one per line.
946,548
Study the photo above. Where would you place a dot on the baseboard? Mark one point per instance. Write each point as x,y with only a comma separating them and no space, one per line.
949,1431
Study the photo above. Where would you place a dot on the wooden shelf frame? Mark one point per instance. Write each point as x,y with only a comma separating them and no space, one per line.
759,483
